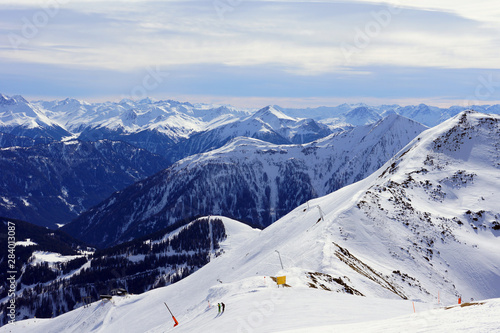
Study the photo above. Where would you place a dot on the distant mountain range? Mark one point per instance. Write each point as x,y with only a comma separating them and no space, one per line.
37,168
174,121
268,124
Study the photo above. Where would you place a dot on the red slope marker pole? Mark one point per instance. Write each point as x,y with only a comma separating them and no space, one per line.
175,320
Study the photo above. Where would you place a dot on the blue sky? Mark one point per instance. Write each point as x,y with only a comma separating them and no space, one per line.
253,53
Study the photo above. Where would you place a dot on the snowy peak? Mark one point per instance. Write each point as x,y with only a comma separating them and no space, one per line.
17,107
394,123
21,118
3,99
19,99
435,205
146,100
277,127
464,137
272,122
362,116
72,102
270,113
6,100
427,115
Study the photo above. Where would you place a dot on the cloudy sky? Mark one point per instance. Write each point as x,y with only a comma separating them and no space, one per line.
253,53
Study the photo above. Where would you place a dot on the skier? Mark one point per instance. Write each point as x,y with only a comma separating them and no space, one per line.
223,307
218,304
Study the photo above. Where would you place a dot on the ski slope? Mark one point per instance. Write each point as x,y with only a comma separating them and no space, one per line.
255,304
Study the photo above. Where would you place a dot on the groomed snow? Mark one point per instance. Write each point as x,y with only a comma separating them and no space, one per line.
26,242
254,303
39,257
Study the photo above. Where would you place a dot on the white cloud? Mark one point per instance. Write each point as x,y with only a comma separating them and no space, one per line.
482,10
297,38
302,37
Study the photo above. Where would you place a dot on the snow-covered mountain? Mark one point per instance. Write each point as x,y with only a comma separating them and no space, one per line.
48,184
177,120
323,112
152,125
427,115
426,222
419,233
176,130
271,125
21,118
292,130
362,116
160,126
247,179
69,275
268,124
